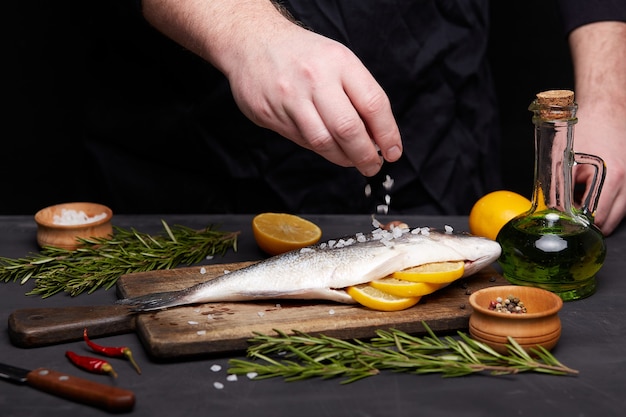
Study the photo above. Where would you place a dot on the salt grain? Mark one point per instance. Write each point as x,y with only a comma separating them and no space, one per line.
201,332
72,217
388,184
218,385
192,322
231,378
331,311
203,270
252,375
261,313
368,190
216,368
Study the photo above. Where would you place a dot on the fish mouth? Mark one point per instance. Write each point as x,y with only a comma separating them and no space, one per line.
474,265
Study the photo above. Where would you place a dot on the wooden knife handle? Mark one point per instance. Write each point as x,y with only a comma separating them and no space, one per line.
33,327
81,390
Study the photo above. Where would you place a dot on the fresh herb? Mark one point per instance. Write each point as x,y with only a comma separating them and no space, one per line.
301,356
99,262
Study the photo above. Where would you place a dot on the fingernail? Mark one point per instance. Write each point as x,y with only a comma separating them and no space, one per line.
371,170
394,153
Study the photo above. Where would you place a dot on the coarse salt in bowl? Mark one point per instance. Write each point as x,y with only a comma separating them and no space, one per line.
61,225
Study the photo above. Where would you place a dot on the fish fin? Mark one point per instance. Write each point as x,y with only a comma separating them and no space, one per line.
156,301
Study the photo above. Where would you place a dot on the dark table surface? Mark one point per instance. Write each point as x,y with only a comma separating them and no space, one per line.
593,341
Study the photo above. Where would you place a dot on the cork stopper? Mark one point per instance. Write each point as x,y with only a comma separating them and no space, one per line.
556,104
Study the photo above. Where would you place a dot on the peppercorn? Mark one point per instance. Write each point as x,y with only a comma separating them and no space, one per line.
509,305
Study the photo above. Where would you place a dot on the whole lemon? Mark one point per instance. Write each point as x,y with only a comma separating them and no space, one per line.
494,210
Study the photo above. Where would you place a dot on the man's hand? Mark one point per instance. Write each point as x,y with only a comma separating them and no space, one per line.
306,87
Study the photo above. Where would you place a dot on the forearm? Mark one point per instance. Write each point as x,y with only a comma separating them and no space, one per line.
599,58
215,30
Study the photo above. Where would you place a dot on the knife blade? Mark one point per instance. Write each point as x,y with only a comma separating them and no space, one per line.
77,389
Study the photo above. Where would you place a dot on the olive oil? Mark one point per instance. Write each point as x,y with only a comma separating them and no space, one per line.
555,245
553,252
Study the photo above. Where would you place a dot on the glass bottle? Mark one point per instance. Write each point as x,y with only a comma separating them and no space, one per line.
555,245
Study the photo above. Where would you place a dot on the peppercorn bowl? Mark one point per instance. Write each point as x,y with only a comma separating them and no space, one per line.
538,325
61,225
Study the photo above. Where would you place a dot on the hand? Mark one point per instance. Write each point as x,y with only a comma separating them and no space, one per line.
304,86
316,92
597,136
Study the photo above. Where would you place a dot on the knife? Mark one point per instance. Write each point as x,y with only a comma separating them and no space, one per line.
81,390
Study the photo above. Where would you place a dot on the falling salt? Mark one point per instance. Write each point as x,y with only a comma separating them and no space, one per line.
73,217
368,190
388,183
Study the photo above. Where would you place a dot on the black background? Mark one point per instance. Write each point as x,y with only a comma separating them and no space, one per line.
43,161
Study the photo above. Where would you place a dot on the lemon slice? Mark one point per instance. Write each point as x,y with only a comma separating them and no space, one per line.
376,299
404,288
276,233
434,273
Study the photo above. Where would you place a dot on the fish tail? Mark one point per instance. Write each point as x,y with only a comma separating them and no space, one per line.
156,301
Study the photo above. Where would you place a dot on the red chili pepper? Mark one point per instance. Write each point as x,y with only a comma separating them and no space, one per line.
113,352
95,365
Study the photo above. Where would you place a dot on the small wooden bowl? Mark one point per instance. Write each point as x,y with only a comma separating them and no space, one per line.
65,236
539,326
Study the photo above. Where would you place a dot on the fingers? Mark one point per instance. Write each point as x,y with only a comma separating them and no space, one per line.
374,108
329,124
349,132
612,202
354,121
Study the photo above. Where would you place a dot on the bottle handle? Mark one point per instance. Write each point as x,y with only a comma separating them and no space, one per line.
590,202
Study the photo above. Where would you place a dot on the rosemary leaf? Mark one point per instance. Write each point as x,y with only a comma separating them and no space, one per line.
99,262
301,356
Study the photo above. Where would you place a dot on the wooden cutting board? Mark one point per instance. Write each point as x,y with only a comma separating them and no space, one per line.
215,328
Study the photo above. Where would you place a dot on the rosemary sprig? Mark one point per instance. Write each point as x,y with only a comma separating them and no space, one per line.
99,262
301,356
